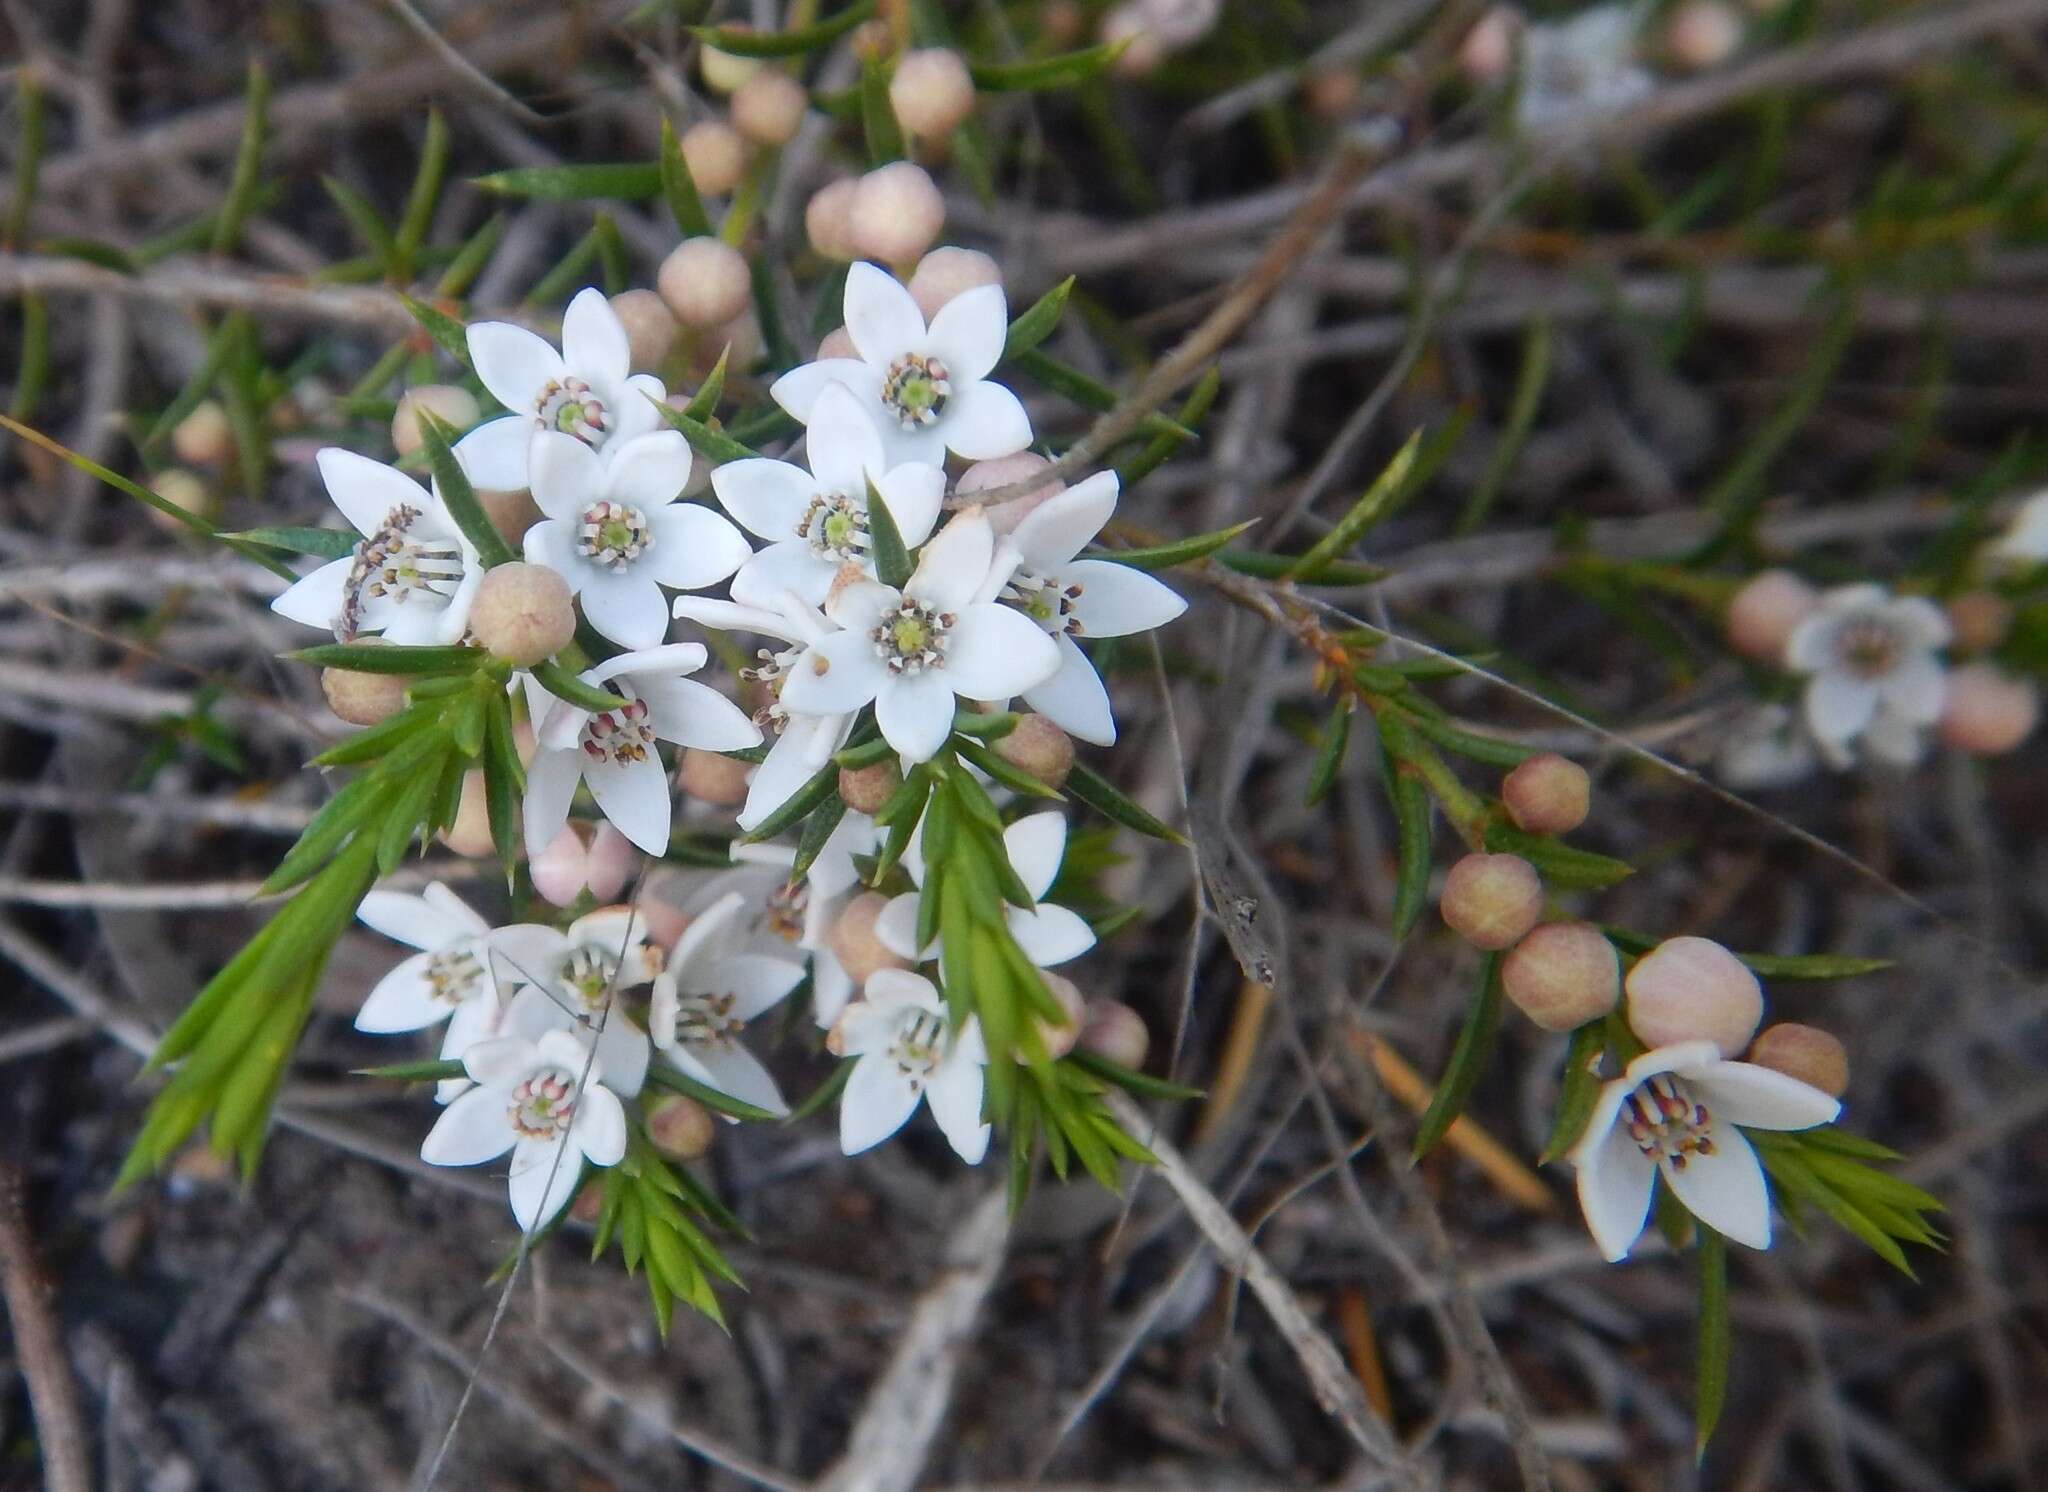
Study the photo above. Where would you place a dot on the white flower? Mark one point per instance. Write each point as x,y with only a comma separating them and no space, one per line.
574,983
614,751
617,534
412,576
1765,747
1873,673
1585,64
898,1033
802,912
462,963
912,651
2026,540
712,987
1675,1112
582,391
1048,934
1072,598
926,388
544,1102
817,520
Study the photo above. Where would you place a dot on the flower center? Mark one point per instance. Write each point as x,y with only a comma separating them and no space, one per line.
706,1020
620,736
588,975
1667,1123
613,534
543,1105
918,1046
916,389
912,637
568,405
835,527
769,673
784,915
1869,649
453,976
1045,600
393,565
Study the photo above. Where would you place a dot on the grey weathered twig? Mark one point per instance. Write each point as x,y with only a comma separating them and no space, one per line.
52,1389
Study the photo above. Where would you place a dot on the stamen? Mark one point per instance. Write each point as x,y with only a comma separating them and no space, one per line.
394,564
541,1106
916,389
1668,1124
572,408
613,534
912,637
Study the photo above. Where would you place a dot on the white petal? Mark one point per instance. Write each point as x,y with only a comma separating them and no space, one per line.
877,1101
1839,705
792,566
1049,934
758,982
667,660
513,363
367,491
797,390
1036,844
1615,1181
638,403
1117,600
841,443
600,1126
995,652
317,599
1811,647
881,318
915,712
551,780
899,990
402,1001
648,470
768,498
777,779
831,989
968,333
732,1069
983,421
913,493
474,1021
1894,739
628,607
835,676
470,1131
1744,1093
551,542
594,344
951,567
526,952
859,606
693,547
693,714
727,616
493,455
503,1060
566,475
622,1053
411,920
1057,530
1726,1190
896,926
634,796
1073,698
1914,690
1922,621
954,1094
543,1179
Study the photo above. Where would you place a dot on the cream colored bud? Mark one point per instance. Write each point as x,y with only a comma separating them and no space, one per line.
1488,51
661,899
186,492
1059,1036
1702,33
873,40
1693,989
1813,1056
1766,611
584,857
724,72
1491,900
1333,93
947,272
680,1127
704,282
362,698
931,92
512,512
1562,975
1038,748
523,613
204,437
828,219
853,941
769,108
1005,471
589,1203
650,328
1112,1030
1061,22
866,789
1987,712
740,339
838,343
470,834
444,401
1143,51
713,777
897,212
1547,794
716,156
1981,620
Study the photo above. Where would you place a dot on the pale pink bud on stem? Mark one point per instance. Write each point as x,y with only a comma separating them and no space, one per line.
1766,611
866,789
1142,51
523,613
1061,22
769,107
853,941
704,282
1701,34
584,857
204,437
650,328
589,1203
362,698
1986,712
1491,901
1038,748
828,219
1547,794
470,834
1488,51
838,343
931,92
1003,471
1562,975
724,72
946,272
1113,1031
511,512
897,212
1813,1056
184,491
1059,1036
712,777
660,904
1981,620
1693,989
445,402
681,1128
716,156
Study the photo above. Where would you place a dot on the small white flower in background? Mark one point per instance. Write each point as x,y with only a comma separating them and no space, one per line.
1873,673
617,534
411,577
1072,598
1048,934
1767,746
913,651
925,387
614,751
581,391
905,1050
1675,1112
817,520
712,987
2025,541
1586,64
544,1101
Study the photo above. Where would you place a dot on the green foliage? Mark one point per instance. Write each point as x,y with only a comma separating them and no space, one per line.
739,42
1067,70
1840,1175
652,1210
1378,502
1469,1057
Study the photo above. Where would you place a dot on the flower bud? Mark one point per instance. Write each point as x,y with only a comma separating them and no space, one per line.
184,491
931,93
1059,1036
1813,1056
680,1127
1004,471
739,340
713,777
650,328
1061,22
512,512
1986,712
947,272
1562,975
704,282
1491,900
1488,50
660,901
716,156
204,437
523,613
866,789
1693,989
584,857
853,941
769,107
362,698
589,1203
470,834
1113,1031
1038,748
872,40
828,219
896,213
724,72
837,343
1332,93
1143,51
1702,34
444,401
1765,612
1981,620
1547,794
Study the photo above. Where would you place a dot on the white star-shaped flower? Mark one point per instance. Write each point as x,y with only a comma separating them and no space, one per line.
616,532
926,387
614,751
1048,934
905,1051
463,962
1071,597
543,1101
801,913
714,984
574,980
913,651
1872,669
1675,1112
582,391
411,577
817,520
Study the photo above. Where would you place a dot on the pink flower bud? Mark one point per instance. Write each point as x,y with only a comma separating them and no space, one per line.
1986,712
866,789
588,1206
184,491
1038,748
1693,989
1491,900
838,343
445,402
947,272
1003,471
769,107
1807,1053
1562,975
724,72
1112,1030
1766,611
1059,1036
716,156
362,698
1143,51
204,437
680,1127
511,513
1702,34
660,901
1981,620
1332,93
931,92
470,834
854,943
650,328
828,219
1061,22
1488,50
713,777
704,281
523,613
1547,794
897,212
